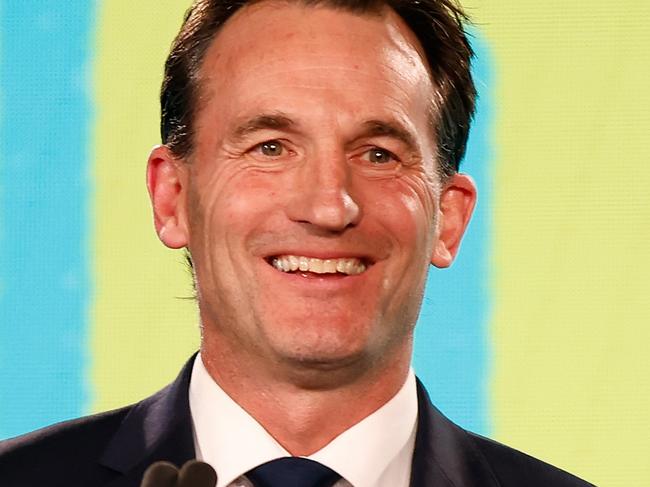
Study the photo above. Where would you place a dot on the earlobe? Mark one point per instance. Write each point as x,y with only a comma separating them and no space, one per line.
166,179
457,202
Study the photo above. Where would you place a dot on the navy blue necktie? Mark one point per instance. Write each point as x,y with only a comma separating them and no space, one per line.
292,472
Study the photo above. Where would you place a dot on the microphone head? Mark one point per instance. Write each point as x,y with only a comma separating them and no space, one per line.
160,474
197,474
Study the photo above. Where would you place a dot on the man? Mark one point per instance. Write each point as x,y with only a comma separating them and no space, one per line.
309,165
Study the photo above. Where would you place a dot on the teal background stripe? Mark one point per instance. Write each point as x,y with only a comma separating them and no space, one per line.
452,353
44,193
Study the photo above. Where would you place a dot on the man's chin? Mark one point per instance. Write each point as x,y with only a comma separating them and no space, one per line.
325,369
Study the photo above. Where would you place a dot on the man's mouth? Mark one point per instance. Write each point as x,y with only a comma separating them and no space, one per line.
350,266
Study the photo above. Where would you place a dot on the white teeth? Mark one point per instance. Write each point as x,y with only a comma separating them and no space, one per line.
316,265
289,263
329,266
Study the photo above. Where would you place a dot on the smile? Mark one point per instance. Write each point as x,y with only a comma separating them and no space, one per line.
291,263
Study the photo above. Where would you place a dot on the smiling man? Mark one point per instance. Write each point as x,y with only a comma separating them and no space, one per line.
309,167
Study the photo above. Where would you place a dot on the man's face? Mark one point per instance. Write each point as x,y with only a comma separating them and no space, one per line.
311,204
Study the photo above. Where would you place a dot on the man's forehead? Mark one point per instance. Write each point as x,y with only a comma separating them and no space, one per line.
262,23
324,67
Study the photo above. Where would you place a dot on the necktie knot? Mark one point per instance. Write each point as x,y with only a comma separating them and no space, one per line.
292,472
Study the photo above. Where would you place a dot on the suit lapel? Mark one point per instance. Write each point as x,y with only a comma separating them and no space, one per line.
444,455
158,428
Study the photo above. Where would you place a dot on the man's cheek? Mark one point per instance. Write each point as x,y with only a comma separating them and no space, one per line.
423,190
406,210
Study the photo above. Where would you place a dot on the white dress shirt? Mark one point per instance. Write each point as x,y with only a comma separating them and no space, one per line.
376,452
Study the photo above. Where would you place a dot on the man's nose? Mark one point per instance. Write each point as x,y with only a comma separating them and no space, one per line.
322,194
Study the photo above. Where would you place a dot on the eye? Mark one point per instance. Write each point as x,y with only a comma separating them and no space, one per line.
271,148
377,155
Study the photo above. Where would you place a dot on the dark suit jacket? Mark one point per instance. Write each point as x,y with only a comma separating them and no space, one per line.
113,449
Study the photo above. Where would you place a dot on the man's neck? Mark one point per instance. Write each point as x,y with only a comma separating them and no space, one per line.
302,413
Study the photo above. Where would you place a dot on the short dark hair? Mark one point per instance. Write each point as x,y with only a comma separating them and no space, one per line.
438,25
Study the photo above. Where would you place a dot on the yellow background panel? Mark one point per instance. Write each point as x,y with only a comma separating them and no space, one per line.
137,311
570,334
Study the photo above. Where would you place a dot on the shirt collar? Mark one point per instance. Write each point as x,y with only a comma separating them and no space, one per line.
233,442
378,450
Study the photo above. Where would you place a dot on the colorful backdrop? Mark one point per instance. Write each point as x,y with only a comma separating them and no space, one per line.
537,337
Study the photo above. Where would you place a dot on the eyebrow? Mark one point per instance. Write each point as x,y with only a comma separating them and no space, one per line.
265,121
281,121
374,128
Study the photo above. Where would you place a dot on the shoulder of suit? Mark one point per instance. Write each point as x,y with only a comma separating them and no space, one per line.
60,451
515,468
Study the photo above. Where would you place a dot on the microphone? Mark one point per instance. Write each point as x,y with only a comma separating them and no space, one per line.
196,474
160,474
192,474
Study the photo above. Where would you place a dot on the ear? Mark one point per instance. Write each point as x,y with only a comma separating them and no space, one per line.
457,202
166,181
